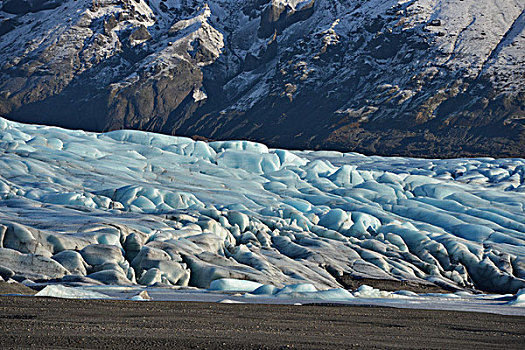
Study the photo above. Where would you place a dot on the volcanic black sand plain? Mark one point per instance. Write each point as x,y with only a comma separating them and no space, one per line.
31,322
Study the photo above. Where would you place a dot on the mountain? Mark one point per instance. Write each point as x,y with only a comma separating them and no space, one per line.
400,77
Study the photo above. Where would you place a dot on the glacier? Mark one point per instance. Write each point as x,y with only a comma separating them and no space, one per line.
136,209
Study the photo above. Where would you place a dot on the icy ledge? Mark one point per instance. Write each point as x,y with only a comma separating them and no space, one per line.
131,207
228,291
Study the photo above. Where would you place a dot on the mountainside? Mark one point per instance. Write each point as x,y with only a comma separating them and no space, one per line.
419,77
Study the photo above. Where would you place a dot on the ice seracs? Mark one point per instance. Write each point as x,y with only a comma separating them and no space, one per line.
131,207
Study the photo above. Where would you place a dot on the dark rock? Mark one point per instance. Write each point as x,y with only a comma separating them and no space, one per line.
352,283
6,26
275,18
20,7
16,7
110,23
140,34
163,7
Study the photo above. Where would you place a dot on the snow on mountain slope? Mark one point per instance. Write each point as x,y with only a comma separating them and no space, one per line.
426,77
129,207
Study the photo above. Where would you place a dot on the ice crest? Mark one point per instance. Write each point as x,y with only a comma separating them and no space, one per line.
131,207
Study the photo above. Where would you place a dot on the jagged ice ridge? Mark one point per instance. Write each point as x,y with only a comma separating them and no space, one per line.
132,207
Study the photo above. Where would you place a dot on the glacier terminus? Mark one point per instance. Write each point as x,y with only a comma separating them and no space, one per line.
134,208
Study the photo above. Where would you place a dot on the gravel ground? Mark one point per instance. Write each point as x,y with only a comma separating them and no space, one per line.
15,288
60,323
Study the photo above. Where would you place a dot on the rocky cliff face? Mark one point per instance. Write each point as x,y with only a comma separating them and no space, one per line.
418,77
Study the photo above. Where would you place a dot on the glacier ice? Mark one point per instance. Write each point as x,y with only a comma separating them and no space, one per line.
131,207
304,291
59,291
234,285
518,299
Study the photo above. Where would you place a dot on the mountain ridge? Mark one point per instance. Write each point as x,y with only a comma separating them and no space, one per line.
413,78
